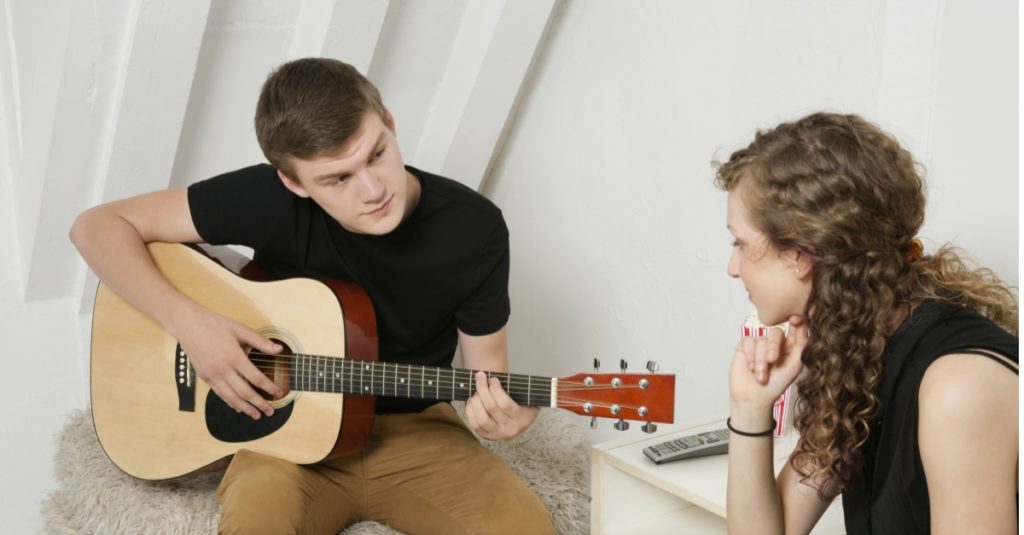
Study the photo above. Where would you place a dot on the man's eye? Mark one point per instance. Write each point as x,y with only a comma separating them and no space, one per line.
378,154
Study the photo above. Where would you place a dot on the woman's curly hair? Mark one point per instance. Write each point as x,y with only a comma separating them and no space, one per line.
840,190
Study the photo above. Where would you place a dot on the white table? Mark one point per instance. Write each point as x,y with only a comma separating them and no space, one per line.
632,495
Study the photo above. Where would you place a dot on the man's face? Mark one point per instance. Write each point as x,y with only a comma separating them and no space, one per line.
363,185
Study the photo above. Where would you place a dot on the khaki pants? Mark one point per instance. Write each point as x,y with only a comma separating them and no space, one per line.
421,473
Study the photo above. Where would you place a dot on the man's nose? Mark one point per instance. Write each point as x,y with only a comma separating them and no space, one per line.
372,188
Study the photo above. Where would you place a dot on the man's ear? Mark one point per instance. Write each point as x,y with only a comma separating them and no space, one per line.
292,185
389,121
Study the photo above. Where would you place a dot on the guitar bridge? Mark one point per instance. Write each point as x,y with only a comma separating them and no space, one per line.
185,378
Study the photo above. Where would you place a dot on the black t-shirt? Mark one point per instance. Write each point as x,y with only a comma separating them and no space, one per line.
890,495
445,267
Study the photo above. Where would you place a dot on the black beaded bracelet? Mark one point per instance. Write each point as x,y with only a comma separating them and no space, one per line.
728,423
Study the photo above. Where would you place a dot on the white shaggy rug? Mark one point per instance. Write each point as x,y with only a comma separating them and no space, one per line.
552,457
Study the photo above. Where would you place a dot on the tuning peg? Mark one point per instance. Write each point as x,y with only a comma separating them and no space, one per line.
623,365
652,366
593,422
648,427
597,365
621,425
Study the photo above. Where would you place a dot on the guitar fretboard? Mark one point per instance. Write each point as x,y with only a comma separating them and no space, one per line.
314,373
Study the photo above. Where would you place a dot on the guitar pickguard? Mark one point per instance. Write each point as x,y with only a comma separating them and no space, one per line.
228,425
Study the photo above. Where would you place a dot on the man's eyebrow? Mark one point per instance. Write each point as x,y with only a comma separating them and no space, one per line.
327,176
380,139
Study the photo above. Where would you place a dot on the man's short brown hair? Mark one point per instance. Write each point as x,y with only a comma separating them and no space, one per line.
311,106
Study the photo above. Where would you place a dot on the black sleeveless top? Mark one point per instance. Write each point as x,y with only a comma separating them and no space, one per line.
891,495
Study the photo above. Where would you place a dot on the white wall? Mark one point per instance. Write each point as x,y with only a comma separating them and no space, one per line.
619,246
600,159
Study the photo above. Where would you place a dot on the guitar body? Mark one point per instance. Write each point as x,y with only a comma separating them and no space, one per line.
156,420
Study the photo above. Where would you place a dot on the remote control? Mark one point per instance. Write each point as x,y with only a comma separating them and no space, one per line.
708,443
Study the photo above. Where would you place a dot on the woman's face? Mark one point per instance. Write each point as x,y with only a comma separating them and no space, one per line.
778,283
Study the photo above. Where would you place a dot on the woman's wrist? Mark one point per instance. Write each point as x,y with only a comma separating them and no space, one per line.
751,418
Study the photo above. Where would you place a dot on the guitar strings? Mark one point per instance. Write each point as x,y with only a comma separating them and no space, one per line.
521,385
446,379
515,384
445,373
349,366
441,385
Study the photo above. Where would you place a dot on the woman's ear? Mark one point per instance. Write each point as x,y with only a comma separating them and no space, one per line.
802,264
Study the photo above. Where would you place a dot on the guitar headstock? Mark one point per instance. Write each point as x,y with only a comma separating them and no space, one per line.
623,396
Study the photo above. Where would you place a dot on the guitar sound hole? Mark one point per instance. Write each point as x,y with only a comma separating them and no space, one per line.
276,367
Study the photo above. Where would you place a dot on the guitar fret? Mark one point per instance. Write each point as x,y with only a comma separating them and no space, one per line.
339,364
336,366
468,385
346,384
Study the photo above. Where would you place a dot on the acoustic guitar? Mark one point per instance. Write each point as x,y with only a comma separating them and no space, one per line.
156,419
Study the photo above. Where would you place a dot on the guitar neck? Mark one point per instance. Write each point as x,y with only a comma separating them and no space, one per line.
314,373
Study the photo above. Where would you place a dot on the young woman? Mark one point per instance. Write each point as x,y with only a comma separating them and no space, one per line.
904,362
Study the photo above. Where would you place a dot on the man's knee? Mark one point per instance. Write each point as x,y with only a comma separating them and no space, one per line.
262,495
520,511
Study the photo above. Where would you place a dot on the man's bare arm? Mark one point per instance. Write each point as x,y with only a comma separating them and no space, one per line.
112,239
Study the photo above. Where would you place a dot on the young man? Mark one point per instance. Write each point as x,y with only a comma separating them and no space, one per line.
338,202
